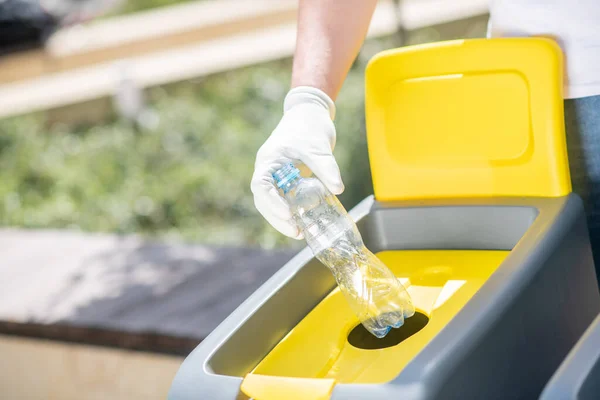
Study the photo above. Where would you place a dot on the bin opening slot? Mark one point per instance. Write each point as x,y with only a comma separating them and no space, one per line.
360,338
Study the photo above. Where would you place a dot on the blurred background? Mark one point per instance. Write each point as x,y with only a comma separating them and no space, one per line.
128,131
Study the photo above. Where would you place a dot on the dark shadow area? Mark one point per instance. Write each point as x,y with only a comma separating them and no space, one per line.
591,385
360,338
171,289
582,144
148,342
24,25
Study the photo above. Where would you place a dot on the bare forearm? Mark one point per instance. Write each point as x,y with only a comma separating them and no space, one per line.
330,34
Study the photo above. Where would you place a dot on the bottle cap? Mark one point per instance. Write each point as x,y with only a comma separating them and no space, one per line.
285,174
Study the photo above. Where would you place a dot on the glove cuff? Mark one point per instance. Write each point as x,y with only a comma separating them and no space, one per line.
307,95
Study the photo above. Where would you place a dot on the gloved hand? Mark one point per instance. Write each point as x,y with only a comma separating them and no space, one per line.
305,133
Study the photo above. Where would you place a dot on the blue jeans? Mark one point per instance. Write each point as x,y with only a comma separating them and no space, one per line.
582,123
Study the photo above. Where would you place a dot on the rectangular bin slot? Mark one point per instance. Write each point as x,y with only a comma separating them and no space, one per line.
440,283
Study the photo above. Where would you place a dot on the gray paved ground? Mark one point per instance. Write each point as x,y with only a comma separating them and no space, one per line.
123,291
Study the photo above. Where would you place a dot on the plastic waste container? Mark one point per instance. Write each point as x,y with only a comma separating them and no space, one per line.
472,210
578,377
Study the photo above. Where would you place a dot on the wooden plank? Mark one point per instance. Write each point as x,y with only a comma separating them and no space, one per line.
182,63
145,32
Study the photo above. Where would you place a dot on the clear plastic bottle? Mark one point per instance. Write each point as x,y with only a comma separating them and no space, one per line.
373,292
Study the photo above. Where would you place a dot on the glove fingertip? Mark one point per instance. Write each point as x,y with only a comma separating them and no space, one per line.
336,188
334,182
286,227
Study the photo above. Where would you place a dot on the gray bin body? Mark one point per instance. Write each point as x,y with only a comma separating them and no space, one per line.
505,343
579,375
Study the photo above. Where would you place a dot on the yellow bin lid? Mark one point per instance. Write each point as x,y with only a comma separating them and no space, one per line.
467,118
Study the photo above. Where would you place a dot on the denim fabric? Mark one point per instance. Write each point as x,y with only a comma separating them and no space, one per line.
582,122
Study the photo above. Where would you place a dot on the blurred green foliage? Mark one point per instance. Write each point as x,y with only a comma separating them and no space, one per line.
131,6
187,177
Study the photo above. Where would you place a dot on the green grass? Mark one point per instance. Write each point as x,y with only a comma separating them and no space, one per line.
189,176
131,6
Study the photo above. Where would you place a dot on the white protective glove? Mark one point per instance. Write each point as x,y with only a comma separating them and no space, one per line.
305,133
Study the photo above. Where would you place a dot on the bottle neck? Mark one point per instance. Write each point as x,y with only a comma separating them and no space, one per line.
292,183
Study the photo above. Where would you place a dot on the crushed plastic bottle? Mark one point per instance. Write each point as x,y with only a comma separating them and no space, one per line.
375,295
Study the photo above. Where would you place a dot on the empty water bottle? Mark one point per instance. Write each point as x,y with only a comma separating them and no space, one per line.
376,296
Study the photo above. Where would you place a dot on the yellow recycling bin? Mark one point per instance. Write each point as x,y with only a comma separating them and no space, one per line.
472,210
